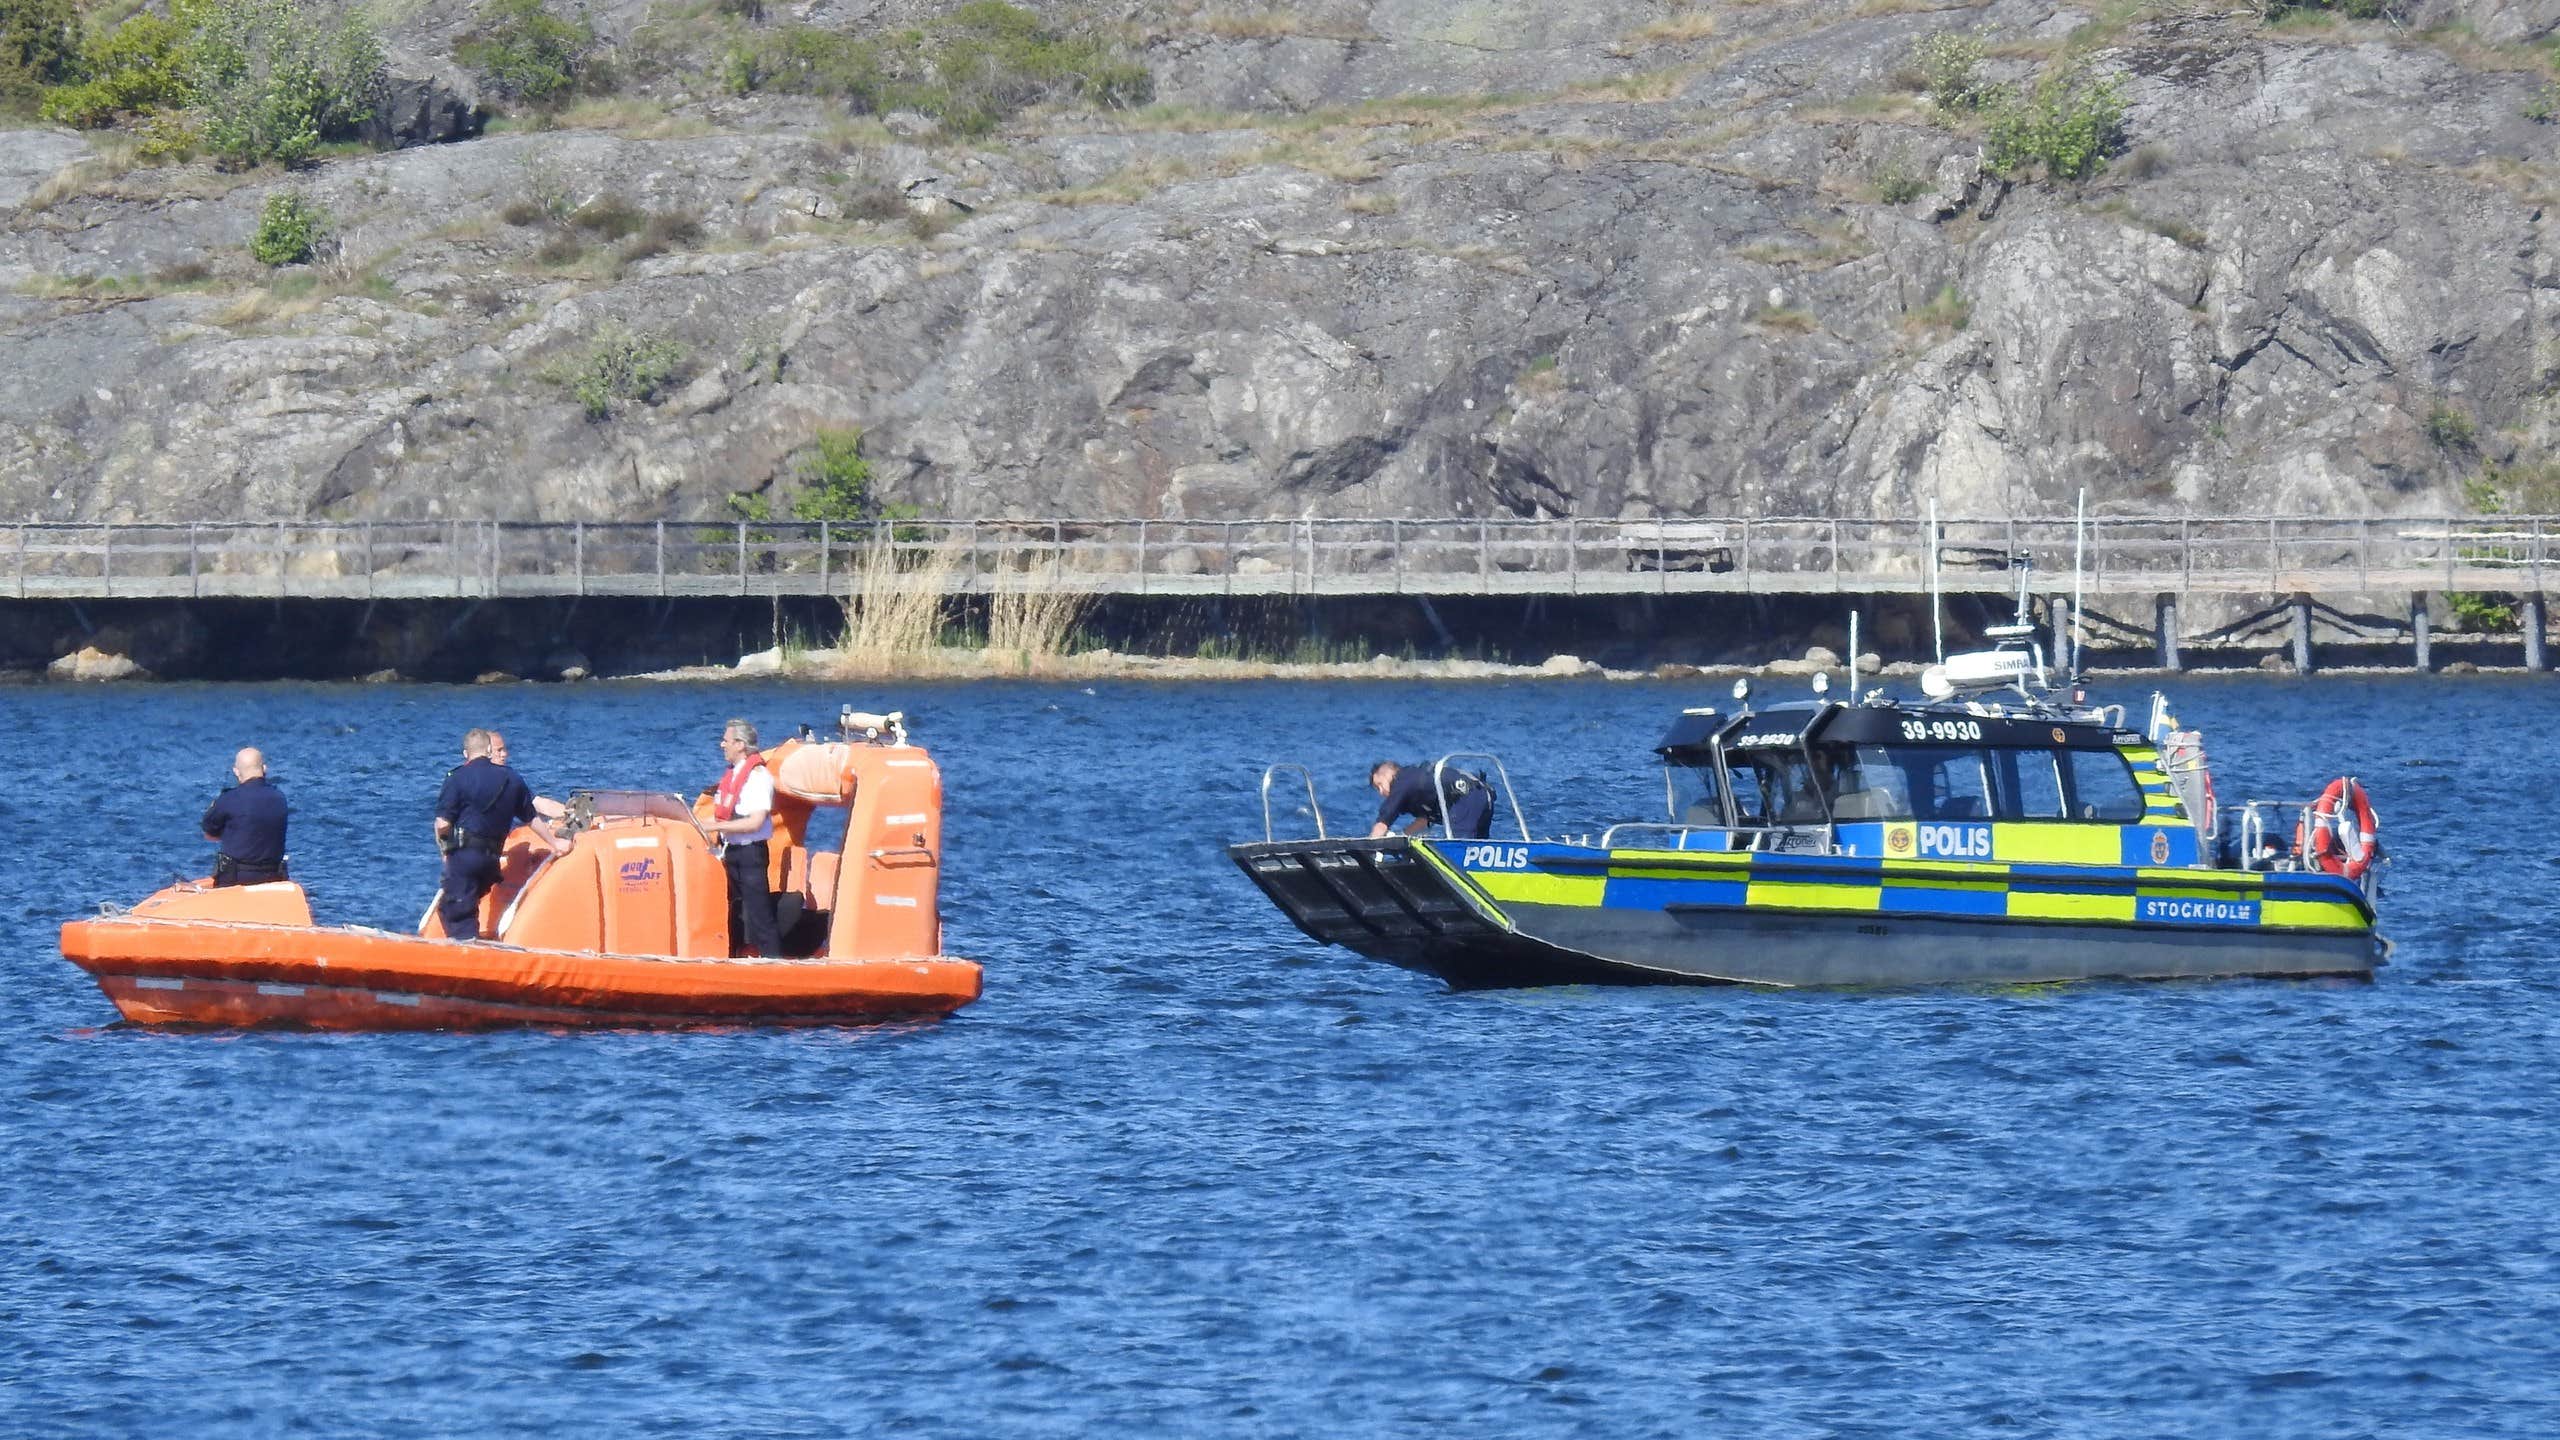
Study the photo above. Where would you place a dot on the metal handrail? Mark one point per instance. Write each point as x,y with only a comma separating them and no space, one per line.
1313,807
1440,789
1302,555
1609,837
2253,833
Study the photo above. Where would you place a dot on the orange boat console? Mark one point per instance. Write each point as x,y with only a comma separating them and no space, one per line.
628,927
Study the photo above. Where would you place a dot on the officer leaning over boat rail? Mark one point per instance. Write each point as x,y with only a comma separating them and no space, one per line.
482,800
247,823
1407,790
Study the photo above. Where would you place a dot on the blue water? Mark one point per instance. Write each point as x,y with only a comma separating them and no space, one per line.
1182,1171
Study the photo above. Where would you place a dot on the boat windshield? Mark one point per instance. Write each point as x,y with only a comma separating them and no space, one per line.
1696,798
1776,787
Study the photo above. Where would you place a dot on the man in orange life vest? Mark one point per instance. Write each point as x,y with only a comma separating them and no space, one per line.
742,815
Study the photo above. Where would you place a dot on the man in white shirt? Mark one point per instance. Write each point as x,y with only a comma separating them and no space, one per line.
742,815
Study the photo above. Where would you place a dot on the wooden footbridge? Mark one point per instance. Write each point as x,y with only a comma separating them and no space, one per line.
2282,558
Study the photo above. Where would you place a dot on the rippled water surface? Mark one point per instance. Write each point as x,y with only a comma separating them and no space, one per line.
1183,1171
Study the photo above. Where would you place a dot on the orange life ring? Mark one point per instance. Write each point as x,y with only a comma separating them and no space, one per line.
2336,835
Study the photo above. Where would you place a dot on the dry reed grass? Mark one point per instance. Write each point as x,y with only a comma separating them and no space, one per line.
893,609
1028,626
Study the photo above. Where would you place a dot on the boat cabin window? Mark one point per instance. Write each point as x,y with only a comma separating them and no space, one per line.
2102,786
1696,798
1908,782
1774,787
1945,782
2032,782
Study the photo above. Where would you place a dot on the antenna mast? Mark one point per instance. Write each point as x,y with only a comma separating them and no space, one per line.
2079,575
1937,624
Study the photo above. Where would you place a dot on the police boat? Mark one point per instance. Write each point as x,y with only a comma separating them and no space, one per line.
1997,830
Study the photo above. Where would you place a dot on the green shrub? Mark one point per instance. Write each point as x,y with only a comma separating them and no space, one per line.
623,366
1899,184
1947,311
526,52
2543,106
2479,614
835,480
289,229
270,80
1946,65
133,69
2449,428
970,70
2067,126
39,44
2522,487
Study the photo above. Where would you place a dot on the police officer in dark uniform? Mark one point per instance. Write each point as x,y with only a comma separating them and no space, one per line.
481,801
246,824
1407,790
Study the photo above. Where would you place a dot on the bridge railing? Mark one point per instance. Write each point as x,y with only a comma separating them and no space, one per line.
1426,555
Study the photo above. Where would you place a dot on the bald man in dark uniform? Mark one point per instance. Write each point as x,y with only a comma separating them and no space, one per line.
246,823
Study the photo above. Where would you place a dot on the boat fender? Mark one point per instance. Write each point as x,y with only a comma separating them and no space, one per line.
2336,835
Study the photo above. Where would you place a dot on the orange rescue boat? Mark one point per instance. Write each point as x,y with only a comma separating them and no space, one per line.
630,927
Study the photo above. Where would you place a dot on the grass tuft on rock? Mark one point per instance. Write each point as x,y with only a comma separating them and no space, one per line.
969,71
622,367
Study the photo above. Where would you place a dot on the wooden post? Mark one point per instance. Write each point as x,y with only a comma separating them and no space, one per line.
2302,634
1484,555
578,554
1747,586
22,562
2060,655
1142,557
1395,546
195,586
2418,631
2533,619
368,559
497,557
453,551
107,559
1573,554
822,557
742,557
2166,609
662,557
279,558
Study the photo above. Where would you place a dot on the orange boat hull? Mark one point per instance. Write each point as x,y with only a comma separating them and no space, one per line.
227,973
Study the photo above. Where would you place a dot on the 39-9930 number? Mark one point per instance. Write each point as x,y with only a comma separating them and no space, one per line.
1941,729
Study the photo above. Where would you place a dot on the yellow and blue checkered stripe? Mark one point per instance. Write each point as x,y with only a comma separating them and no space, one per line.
2144,896
2159,800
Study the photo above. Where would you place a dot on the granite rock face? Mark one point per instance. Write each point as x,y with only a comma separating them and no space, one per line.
1368,257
